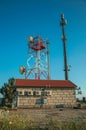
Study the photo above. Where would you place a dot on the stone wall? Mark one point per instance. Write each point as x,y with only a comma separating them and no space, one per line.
54,97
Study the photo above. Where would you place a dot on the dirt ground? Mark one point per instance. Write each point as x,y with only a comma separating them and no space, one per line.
43,116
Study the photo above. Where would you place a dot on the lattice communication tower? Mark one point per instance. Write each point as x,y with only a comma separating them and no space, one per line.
38,60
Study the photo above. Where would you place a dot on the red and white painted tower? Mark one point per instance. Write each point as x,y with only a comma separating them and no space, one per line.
38,59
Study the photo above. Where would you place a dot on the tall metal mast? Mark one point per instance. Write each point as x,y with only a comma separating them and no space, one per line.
63,22
48,59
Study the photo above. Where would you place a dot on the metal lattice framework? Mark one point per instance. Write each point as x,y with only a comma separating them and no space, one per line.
38,59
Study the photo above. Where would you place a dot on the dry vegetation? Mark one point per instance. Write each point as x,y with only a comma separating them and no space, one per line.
43,119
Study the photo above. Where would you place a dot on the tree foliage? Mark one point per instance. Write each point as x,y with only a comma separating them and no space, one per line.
9,90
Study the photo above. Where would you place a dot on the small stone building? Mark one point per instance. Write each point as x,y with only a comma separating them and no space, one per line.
45,93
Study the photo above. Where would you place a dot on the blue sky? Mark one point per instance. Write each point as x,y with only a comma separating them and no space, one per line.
20,19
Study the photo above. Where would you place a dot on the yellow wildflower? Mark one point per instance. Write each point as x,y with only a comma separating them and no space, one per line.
10,122
7,111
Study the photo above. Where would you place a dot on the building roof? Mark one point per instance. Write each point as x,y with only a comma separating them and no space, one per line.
44,83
